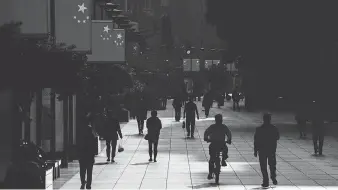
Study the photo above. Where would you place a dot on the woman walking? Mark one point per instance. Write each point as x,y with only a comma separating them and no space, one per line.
154,127
87,152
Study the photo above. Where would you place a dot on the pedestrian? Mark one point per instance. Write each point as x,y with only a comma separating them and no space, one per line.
235,99
189,110
154,127
301,122
112,131
220,99
87,151
207,103
265,144
177,104
141,114
318,133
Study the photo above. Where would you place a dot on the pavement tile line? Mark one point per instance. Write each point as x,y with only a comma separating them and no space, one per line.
171,133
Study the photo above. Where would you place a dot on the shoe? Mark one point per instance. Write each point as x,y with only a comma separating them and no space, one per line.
224,163
188,135
192,136
150,159
155,160
82,186
108,159
112,160
274,181
265,185
89,187
210,176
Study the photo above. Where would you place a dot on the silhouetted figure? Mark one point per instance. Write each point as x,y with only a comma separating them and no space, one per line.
265,144
87,151
112,129
141,114
301,122
189,110
235,99
154,127
318,133
177,104
216,135
207,103
220,100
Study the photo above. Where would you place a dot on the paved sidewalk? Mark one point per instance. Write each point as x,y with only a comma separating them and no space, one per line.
183,163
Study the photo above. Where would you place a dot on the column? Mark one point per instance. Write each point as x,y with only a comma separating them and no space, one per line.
33,117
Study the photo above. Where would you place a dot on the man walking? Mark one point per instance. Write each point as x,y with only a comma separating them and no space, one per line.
265,144
235,99
141,114
177,104
207,103
318,133
189,110
112,129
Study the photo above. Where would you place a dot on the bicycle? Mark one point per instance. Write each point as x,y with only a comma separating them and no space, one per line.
217,162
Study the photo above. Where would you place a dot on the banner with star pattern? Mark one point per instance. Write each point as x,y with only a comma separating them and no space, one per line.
108,44
73,23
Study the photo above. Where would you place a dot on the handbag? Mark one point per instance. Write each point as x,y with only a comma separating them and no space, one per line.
146,137
120,148
183,124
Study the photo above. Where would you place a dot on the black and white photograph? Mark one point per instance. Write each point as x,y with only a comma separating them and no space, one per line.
169,94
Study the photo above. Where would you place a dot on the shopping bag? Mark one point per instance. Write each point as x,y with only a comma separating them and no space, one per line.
120,148
146,137
183,124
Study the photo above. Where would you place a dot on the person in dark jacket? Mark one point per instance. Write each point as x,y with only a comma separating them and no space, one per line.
177,104
154,126
87,152
112,129
236,99
189,110
318,133
301,122
265,144
207,103
141,114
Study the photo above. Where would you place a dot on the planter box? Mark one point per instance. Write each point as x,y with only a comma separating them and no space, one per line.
56,164
48,178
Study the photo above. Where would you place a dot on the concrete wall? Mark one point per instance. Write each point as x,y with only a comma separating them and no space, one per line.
5,132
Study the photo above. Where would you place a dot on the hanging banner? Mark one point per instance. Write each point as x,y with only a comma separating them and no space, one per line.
108,44
73,23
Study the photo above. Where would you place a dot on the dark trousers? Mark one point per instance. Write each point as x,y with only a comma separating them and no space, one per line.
264,159
111,144
318,138
190,126
207,109
236,105
177,114
302,129
140,123
215,148
150,144
86,167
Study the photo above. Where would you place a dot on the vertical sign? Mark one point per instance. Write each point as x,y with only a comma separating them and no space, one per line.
216,62
73,23
108,44
186,64
195,65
